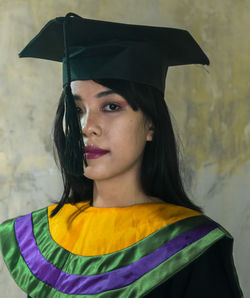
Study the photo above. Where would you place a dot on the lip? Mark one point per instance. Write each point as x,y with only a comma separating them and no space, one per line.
94,155
93,152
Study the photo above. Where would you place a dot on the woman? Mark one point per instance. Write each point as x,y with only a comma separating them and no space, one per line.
124,226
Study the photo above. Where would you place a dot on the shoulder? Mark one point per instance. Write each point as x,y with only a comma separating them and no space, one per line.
17,230
212,274
200,263
15,236
9,227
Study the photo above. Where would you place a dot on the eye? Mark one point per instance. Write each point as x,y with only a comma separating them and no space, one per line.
112,107
78,110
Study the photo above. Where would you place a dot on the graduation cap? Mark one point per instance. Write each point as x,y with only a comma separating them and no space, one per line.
93,49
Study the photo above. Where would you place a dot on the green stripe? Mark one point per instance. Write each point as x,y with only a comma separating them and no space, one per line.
8,244
74,264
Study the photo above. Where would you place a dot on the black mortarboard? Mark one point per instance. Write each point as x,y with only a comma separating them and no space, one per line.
93,49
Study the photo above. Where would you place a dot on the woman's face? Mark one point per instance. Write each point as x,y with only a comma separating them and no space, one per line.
110,123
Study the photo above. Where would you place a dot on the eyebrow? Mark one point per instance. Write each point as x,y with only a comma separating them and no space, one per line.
98,95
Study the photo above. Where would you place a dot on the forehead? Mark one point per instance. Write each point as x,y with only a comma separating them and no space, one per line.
88,88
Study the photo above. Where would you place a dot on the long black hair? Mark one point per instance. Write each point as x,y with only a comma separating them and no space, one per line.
160,168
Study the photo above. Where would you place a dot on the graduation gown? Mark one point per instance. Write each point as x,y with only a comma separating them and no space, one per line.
143,250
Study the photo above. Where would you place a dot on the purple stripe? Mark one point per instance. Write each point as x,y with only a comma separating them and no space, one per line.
94,284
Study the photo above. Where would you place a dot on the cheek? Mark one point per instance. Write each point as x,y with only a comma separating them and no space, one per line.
127,138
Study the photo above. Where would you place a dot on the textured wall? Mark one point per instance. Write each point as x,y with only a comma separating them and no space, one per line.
210,108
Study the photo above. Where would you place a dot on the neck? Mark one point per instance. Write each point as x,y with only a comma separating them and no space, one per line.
119,191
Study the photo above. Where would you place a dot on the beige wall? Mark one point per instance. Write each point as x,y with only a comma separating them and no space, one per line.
210,108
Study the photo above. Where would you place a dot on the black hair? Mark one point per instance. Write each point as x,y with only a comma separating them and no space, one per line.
160,168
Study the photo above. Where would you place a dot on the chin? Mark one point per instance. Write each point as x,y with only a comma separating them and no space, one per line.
96,174
107,170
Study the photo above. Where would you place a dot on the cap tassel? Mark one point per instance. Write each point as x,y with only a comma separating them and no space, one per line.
74,153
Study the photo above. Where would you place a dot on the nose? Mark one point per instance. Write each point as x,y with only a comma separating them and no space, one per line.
90,125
